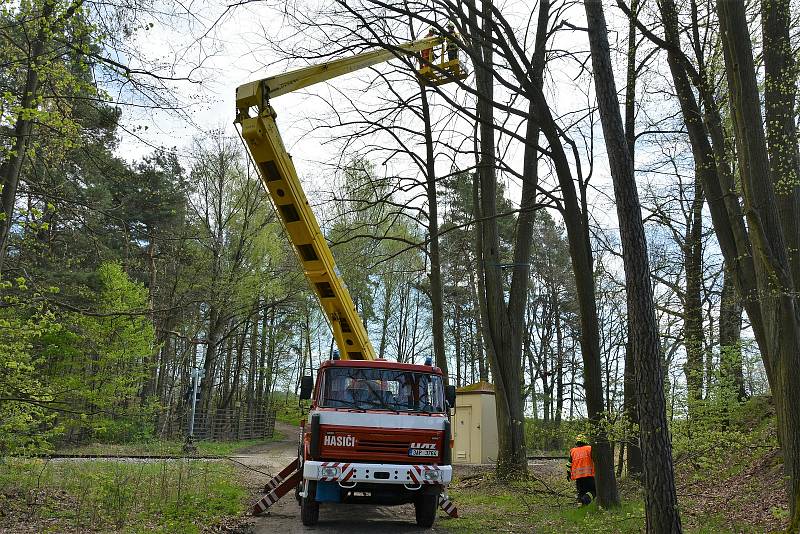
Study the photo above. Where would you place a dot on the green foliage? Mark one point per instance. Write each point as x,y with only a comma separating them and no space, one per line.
73,372
26,422
560,436
721,428
64,74
166,496
98,360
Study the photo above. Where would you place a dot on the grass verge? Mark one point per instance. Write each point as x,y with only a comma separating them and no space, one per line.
542,505
180,496
546,505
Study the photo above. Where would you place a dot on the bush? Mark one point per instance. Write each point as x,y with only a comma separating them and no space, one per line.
720,426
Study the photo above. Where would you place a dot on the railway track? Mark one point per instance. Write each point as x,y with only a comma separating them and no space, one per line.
58,456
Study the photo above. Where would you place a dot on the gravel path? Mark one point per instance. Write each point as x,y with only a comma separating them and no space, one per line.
284,516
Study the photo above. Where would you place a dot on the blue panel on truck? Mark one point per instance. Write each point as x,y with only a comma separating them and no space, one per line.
328,492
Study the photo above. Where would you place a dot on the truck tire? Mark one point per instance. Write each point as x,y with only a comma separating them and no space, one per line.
309,507
425,507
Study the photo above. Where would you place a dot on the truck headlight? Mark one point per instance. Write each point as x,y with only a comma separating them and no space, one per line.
327,471
433,475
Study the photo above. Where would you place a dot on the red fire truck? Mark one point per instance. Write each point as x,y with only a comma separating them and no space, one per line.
377,431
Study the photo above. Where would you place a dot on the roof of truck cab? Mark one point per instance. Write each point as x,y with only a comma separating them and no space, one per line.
381,364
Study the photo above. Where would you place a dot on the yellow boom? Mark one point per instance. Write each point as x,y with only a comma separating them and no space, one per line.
280,180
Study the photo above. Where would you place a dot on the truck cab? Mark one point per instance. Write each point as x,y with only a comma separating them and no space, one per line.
377,432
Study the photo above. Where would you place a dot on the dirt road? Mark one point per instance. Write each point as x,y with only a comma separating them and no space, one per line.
284,516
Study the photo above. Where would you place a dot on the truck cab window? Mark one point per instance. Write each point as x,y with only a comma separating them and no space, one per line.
386,389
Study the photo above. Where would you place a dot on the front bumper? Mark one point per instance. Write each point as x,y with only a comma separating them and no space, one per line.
350,474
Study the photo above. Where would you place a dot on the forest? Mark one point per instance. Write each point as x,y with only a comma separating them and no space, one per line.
602,221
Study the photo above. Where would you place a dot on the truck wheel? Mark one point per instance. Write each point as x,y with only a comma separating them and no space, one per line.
425,508
309,507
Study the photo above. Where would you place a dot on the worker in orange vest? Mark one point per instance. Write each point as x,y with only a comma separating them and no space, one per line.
580,468
427,54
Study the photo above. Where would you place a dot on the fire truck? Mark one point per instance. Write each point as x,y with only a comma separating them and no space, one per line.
377,431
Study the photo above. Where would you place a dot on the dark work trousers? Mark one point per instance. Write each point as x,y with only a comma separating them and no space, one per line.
585,486
452,52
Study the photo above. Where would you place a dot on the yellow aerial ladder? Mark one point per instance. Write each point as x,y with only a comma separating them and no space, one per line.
279,176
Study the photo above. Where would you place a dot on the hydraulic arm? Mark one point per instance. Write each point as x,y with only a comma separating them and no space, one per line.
279,177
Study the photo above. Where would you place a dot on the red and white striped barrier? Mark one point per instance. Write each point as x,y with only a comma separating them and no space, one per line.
447,505
283,487
280,477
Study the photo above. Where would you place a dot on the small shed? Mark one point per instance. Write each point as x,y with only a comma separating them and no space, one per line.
475,425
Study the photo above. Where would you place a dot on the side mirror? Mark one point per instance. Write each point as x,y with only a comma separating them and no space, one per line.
450,395
306,387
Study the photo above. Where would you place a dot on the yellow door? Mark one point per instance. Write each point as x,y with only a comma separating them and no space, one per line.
462,435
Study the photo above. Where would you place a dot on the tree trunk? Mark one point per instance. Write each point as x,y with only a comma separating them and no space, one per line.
268,355
693,303
660,494
151,360
631,407
503,323
779,305
581,256
435,276
253,360
479,292
210,363
630,402
457,343
227,368
714,170
779,105
387,312
730,328
559,363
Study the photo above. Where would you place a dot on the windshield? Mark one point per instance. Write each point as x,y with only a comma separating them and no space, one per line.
388,389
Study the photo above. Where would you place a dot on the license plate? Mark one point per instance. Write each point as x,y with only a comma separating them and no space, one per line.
423,452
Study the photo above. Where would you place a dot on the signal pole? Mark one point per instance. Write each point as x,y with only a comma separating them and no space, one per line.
197,375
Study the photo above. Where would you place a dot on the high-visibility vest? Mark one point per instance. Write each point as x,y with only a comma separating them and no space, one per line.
582,465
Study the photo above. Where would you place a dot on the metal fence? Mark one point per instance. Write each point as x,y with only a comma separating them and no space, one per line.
233,424
228,424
